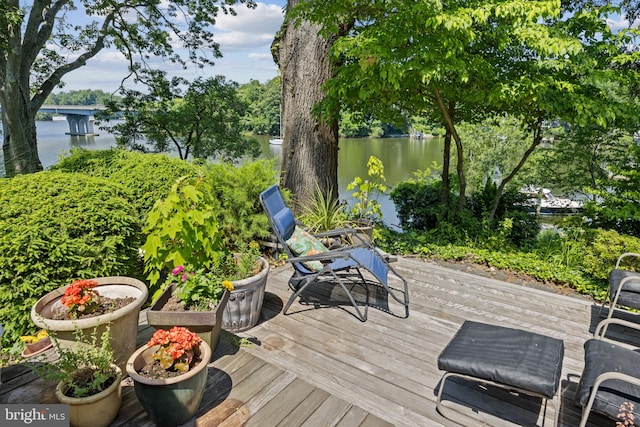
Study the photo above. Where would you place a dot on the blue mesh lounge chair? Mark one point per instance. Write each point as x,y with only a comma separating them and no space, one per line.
610,381
313,261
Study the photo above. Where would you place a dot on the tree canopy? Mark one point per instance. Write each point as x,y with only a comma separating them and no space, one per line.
201,122
459,61
44,43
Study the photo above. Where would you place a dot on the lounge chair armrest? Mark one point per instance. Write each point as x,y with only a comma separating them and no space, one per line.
336,232
624,255
601,329
618,376
328,256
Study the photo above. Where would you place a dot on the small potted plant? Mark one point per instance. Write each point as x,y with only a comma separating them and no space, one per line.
170,375
88,380
36,343
366,209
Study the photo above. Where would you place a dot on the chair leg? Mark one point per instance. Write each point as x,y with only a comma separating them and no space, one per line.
604,301
360,315
575,395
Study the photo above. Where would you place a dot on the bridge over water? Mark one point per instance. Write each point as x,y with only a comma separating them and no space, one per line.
79,117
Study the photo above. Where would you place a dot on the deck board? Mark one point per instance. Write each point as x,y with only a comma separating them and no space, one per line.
320,366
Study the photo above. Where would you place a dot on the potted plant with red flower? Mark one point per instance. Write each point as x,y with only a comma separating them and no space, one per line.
91,306
170,375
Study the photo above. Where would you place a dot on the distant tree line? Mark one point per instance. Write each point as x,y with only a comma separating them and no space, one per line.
262,112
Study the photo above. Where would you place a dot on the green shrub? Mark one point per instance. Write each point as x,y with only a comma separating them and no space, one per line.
237,189
603,248
418,203
56,227
147,176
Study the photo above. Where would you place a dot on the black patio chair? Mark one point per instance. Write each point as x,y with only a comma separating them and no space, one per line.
312,261
624,287
610,381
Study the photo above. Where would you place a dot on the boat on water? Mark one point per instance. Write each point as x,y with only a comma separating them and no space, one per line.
541,200
279,140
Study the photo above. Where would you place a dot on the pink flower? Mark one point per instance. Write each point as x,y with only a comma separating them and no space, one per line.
177,270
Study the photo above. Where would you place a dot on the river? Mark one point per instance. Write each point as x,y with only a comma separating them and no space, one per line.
400,156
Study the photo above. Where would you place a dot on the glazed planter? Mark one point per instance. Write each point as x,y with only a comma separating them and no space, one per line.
245,303
172,401
123,322
207,324
97,410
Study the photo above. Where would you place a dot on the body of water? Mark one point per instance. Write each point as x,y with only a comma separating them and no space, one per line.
401,156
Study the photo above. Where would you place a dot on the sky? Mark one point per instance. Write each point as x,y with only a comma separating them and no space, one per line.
245,42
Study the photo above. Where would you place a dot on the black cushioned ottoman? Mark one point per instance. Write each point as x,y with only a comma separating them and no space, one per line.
505,357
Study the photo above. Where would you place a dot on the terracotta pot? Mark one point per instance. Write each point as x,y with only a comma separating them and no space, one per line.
97,410
245,303
171,401
123,321
207,324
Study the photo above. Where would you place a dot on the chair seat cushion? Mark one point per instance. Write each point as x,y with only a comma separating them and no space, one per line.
511,357
600,357
302,243
630,295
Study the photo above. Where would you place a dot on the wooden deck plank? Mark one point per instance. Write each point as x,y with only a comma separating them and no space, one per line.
323,367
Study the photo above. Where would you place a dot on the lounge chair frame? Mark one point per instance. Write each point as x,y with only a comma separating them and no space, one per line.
342,264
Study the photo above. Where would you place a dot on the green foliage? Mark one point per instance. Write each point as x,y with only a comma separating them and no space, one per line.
523,227
236,189
263,107
366,191
529,263
603,249
619,208
323,213
202,122
148,177
56,227
182,229
417,202
85,369
80,97
198,289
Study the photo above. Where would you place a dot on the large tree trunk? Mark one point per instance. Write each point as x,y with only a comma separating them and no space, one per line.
310,147
19,146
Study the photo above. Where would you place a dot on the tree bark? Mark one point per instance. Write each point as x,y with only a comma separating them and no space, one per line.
446,159
310,146
537,139
449,123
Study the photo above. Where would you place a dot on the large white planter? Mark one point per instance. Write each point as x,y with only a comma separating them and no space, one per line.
123,321
245,302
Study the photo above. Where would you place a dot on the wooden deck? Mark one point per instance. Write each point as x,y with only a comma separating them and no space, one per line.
320,366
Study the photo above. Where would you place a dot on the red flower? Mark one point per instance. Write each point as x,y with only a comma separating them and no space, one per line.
79,297
176,347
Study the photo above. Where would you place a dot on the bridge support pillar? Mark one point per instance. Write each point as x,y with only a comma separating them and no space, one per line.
80,125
